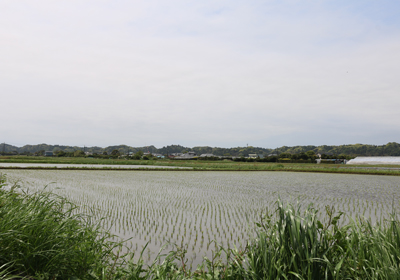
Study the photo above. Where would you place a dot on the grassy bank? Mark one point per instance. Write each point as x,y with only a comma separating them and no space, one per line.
42,237
72,160
206,165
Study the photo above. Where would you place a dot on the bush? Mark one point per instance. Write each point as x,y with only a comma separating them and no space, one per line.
79,153
208,158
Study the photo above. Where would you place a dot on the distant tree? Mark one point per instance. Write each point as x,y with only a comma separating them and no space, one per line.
311,155
325,156
40,153
295,156
138,155
271,159
240,159
285,155
115,153
79,153
105,153
60,153
303,156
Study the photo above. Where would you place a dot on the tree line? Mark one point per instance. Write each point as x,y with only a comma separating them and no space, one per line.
389,149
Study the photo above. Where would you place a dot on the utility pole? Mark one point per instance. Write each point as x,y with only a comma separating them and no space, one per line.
4,148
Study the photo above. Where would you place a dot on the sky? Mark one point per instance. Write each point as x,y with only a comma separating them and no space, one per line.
199,73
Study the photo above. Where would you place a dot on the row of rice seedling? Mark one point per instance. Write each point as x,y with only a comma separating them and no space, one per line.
192,209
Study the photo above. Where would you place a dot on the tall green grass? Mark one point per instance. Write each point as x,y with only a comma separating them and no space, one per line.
296,245
41,237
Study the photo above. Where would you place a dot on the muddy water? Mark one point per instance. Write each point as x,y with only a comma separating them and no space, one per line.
192,209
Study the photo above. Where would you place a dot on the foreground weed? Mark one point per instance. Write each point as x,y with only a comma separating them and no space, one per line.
41,236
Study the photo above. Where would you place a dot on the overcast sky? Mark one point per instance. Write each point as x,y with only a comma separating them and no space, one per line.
199,73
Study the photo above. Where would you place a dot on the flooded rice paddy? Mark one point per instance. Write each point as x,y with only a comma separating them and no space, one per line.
191,209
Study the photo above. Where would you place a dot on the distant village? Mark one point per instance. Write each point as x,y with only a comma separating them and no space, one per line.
285,157
344,154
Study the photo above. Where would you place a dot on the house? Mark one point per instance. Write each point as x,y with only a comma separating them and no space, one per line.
253,155
210,156
207,155
48,153
175,154
158,155
188,155
153,155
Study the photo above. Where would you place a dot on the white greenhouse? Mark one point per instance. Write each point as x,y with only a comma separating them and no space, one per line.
375,160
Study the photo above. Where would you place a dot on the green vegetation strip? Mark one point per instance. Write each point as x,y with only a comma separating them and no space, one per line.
92,168
42,238
200,166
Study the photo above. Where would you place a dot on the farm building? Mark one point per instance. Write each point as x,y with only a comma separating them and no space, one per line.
256,156
375,160
207,155
188,155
